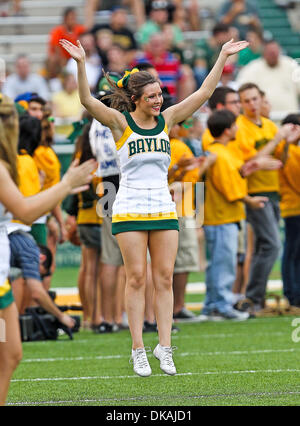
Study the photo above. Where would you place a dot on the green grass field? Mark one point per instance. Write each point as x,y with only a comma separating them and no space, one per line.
227,363
250,363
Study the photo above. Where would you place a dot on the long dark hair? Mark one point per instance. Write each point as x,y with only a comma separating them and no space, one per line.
121,98
83,149
30,134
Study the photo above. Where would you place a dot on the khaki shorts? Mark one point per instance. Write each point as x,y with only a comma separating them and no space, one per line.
187,259
242,237
111,253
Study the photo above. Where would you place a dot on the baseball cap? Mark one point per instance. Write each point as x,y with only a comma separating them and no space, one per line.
159,4
29,97
228,69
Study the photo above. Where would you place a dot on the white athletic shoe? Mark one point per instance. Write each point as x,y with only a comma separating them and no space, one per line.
165,355
140,362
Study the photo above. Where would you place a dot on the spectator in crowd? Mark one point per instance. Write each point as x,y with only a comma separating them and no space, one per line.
276,74
191,132
122,35
187,15
49,229
23,80
229,99
187,259
168,67
193,138
259,136
225,98
32,103
117,59
70,29
93,61
225,193
89,227
104,42
136,7
158,18
255,48
207,50
289,176
222,98
241,14
66,105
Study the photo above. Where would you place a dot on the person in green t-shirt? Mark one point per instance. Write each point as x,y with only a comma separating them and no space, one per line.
254,51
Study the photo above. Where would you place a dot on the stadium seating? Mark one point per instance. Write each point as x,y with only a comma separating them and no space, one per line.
276,24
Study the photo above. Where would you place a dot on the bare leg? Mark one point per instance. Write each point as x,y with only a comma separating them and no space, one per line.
108,291
80,283
149,297
133,247
90,282
119,298
163,248
98,295
18,289
237,285
179,285
27,300
11,350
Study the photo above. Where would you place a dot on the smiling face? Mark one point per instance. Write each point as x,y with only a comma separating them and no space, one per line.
151,100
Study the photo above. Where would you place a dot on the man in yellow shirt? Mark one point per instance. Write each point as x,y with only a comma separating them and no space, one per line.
222,98
258,136
225,195
289,178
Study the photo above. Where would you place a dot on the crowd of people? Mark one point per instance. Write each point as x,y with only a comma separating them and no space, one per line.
249,167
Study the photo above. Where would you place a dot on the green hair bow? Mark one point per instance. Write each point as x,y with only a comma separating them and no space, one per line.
122,83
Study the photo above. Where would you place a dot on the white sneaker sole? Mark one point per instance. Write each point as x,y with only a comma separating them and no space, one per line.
143,374
170,373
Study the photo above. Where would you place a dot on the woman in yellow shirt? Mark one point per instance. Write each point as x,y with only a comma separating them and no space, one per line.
46,230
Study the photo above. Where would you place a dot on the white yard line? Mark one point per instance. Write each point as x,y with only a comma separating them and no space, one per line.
184,354
202,373
160,397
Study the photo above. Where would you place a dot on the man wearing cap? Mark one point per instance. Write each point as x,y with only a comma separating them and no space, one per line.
32,103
